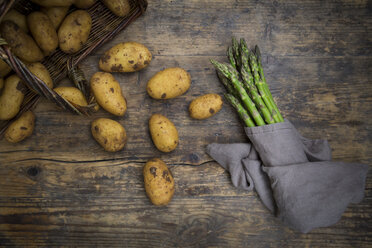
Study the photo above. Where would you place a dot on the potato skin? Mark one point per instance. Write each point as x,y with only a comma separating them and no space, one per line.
72,94
16,17
4,68
169,83
110,134
74,31
21,43
11,97
21,128
55,14
163,133
205,106
50,3
40,71
125,57
43,31
108,93
84,4
118,7
159,182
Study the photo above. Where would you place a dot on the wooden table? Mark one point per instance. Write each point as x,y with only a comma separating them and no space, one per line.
59,187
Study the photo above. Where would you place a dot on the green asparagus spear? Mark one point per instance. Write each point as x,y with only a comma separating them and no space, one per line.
230,56
257,98
249,84
260,86
260,69
235,48
226,82
246,63
240,109
229,72
257,52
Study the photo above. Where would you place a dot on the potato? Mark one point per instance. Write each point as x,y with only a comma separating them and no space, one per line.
40,71
108,93
56,15
1,83
169,83
118,7
21,43
74,31
84,4
21,128
159,182
205,106
110,134
16,17
72,94
53,3
125,57
43,31
163,133
11,97
4,68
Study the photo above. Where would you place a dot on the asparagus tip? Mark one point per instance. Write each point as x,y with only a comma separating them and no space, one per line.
257,51
214,62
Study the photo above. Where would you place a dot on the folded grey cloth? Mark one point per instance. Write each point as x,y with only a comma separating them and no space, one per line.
294,176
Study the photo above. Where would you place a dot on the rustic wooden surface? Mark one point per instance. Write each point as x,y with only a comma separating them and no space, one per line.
60,188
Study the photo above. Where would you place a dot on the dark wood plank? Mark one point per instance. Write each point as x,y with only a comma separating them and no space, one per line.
100,203
59,187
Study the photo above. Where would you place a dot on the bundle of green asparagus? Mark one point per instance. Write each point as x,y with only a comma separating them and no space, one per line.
246,86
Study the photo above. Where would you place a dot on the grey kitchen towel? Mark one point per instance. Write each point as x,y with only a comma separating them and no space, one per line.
293,176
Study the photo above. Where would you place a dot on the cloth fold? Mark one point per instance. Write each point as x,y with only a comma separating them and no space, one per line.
293,176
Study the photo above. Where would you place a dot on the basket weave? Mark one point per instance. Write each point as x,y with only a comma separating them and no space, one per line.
105,25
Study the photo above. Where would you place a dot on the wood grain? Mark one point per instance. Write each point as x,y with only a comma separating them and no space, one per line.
60,188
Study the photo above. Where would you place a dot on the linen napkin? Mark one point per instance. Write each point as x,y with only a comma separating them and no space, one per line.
293,176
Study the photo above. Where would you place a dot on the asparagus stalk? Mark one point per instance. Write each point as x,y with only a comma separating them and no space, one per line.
229,72
226,82
260,69
230,56
240,109
249,83
257,99
260,86
257,53
235,48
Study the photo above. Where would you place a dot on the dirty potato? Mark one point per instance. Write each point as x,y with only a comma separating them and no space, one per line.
4,68
20,128
169,83
56,15
1,83
74,31
11,97
125,57
43,31
21,43
108,93
51,3
159,182
110,134
40,71
205,106
118,7
72,94
84,4
16,17
163,133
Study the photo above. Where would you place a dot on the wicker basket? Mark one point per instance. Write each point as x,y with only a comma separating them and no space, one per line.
105,25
